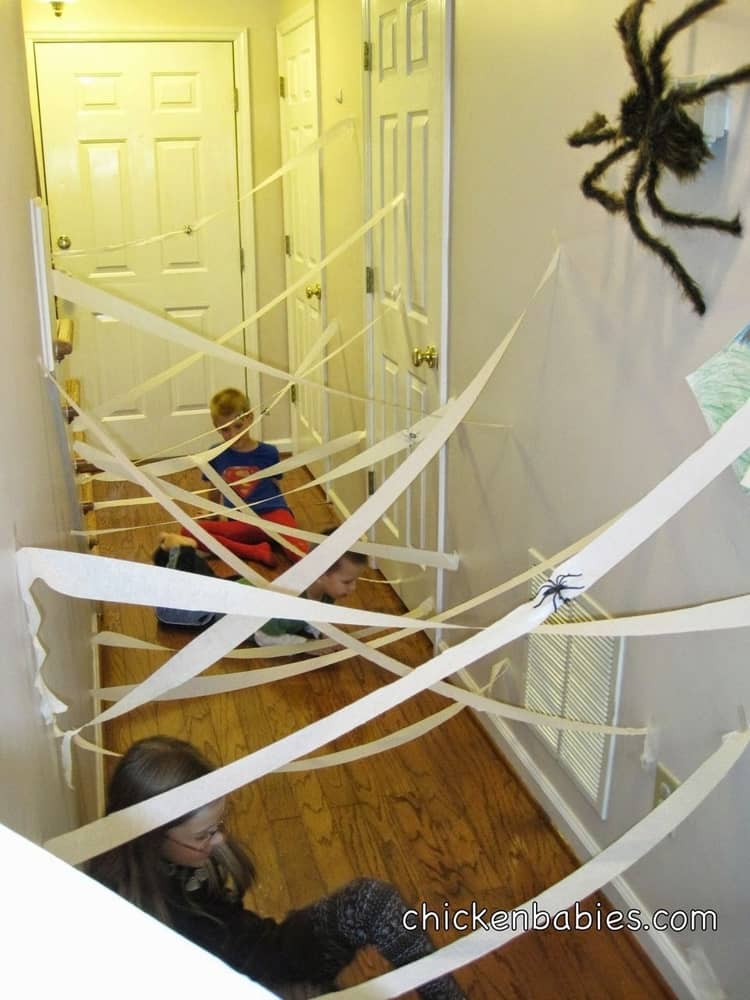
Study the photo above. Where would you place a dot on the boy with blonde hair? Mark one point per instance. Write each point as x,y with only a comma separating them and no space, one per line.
231,415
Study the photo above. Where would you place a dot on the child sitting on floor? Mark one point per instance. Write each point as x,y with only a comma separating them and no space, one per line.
192,875
231,415
339,580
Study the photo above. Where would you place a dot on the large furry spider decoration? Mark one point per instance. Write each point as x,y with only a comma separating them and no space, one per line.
654,125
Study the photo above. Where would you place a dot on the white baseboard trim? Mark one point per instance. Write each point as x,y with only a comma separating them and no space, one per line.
671,962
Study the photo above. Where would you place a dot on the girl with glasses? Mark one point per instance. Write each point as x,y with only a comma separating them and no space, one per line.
192,875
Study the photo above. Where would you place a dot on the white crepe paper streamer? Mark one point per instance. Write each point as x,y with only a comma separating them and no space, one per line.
402,736
183,663
122,641
404,554
168,466
392,445
164,467
275,531
119,640
185,456
233,682
314,359
66,753
264,675
236,682
102,578
97,300
50,705
229,631
345,126
176,330
512,711
390,581
480,702
315,454
261,676
397,553
733,612
396,581
306,664
152,486
608,865
407,734
621,538
226,683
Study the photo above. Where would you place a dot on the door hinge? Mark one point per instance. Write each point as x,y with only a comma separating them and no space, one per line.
370,482
236,100
288,246
293,393
369,280
366,56
242,259
282,87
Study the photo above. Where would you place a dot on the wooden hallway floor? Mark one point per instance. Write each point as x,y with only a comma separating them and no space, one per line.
443,818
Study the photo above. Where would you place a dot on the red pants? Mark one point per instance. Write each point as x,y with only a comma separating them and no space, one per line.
251,542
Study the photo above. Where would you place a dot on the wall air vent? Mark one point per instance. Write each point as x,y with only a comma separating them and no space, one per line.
577,677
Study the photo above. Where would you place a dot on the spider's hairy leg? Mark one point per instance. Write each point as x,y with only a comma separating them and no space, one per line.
696,94
732,226
628,26
608,199
666,253
597,129
690,15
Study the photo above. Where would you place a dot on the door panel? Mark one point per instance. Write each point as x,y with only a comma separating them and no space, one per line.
302,216
407,82
139,140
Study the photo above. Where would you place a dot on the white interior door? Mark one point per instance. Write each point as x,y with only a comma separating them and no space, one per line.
407,136
298,90
139,139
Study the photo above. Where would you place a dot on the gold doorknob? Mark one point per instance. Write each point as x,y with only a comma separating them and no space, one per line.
311,290
64,242
429,356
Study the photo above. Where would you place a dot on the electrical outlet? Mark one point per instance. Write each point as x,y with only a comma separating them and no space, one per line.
664,784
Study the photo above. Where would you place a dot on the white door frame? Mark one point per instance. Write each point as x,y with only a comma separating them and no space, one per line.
243,123
443,326
287,24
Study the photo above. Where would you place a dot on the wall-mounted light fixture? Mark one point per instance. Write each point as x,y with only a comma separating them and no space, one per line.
57,5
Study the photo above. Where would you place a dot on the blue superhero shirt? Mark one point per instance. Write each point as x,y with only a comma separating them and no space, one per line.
263,494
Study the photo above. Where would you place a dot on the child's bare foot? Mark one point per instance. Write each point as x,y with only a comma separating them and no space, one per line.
171,540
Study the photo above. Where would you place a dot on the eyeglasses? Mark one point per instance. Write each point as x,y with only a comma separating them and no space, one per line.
200,843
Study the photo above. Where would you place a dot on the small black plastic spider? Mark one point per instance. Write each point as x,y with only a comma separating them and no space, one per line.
654,125
555,589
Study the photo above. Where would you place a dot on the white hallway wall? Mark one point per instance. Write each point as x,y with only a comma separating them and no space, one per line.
35,502
594,389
